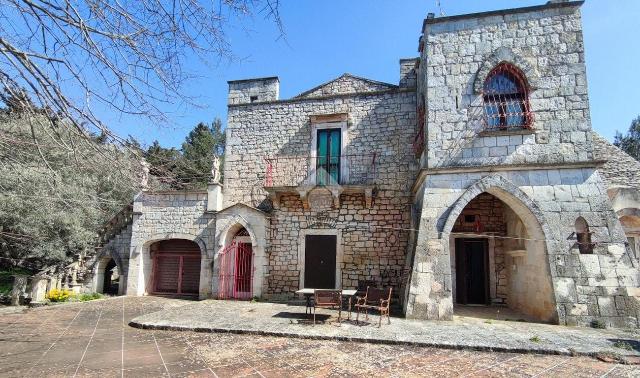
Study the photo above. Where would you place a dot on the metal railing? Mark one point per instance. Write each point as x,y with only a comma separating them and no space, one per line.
290,171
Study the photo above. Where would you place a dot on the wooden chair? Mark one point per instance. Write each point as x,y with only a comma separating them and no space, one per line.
327,298
375,299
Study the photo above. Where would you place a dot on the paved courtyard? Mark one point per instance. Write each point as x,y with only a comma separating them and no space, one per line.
93,339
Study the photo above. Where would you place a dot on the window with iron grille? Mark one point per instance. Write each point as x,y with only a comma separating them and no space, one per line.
506,99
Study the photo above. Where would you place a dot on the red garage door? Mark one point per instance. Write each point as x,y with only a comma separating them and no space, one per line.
176,267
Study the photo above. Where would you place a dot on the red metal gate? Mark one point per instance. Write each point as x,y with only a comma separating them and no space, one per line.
235,280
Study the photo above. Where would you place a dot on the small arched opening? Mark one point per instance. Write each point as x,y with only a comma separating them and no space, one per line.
583,235
111,279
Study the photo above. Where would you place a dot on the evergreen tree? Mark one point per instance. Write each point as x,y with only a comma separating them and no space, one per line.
630,143
197,151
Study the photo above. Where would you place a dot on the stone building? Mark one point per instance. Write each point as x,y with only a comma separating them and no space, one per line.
476,179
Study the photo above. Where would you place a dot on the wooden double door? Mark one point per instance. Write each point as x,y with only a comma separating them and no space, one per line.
472,271
176,268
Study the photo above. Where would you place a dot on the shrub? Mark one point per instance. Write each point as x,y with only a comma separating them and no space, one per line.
89,297
535,339
597,323
59,295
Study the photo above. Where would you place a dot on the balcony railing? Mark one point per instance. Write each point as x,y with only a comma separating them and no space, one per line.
294,171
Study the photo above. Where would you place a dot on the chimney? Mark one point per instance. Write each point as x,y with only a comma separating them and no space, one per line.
257,90
408,76
431,16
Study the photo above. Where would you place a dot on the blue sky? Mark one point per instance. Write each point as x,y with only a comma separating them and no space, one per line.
327,38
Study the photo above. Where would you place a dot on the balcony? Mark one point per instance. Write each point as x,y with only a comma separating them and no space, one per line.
302,174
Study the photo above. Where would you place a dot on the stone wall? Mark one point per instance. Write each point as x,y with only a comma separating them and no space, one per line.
254,90
547,45
169,215
374,239
584,287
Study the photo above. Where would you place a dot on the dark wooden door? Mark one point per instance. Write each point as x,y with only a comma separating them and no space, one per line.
320,262
176,267
472,271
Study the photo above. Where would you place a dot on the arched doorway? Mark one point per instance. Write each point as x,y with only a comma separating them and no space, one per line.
498,257
176,268
235,280
111,279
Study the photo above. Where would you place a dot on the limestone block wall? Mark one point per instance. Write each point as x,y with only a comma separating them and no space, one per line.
169,215
346,84
374,239
381,122
578,288
254,90
459,52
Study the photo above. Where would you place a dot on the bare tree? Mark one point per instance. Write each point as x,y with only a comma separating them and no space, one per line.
128,55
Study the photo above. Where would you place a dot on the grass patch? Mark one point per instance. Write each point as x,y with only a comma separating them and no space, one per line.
85,297
535,339
622,345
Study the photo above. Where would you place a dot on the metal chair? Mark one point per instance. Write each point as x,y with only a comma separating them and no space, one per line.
375,299
327,298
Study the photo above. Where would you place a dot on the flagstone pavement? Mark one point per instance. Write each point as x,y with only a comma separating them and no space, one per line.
94,339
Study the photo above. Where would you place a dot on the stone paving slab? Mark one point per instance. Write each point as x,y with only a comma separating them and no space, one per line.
275,319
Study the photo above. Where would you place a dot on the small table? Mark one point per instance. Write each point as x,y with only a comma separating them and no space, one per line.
308,293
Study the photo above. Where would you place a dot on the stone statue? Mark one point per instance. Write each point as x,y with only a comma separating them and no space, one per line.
215,170
144,180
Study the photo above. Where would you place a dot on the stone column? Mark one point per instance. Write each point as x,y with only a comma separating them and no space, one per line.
214,197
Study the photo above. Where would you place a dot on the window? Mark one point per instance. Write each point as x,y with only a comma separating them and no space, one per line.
328,156
506,102
585,246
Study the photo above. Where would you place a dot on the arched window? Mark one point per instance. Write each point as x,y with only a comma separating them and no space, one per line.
506,98
585,246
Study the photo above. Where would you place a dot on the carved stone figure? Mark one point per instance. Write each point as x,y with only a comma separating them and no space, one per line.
144,180
215,170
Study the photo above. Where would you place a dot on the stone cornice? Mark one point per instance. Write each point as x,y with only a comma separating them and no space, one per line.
500,12
424,172
328,97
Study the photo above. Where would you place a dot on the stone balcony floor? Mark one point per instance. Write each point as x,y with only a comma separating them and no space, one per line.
465,332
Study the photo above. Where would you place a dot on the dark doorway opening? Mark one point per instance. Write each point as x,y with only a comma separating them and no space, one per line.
320,261
111,279
472,271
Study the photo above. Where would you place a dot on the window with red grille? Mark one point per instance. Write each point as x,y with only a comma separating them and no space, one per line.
506,99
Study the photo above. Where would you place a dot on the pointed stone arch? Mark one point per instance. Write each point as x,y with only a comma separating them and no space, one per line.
506,191
532,285
506,55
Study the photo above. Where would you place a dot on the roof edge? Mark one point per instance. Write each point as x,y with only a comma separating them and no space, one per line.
548,5
346,74
254,79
